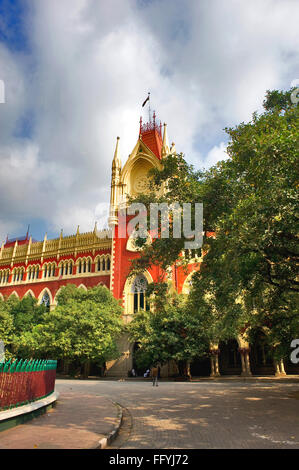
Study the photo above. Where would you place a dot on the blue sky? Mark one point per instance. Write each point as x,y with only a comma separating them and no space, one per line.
75,79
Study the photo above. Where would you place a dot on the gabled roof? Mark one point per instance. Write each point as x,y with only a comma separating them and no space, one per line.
151,134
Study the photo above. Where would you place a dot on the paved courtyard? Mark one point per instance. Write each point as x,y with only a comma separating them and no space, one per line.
199,415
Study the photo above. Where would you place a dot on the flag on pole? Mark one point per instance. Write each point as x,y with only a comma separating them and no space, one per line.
145,101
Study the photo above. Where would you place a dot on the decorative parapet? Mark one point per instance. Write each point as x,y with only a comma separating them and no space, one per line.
55,248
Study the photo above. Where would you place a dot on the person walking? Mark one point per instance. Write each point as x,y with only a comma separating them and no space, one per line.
155,376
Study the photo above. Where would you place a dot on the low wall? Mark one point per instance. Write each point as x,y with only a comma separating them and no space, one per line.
22,414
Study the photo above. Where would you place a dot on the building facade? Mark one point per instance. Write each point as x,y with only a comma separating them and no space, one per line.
41,268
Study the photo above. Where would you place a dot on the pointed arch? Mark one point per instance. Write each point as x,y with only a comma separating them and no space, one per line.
188,283
83,287
15,294
128,292
43,293
29,292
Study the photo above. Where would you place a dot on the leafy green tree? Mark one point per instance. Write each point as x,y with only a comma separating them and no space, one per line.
249,274
83,327
6,327
170,331
18,319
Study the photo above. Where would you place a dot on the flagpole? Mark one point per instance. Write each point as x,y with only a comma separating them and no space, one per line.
149,106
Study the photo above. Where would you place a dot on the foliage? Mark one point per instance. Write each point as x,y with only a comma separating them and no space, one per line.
84,326
169,332
249,275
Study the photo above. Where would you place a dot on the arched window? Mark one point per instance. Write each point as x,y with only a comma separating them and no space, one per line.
46,300
65,268
99,264
104,265
108,264
53,270
80,267
84,266
89,266
138,289
37,272
71,268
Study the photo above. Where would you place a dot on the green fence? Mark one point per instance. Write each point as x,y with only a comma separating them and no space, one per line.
24,381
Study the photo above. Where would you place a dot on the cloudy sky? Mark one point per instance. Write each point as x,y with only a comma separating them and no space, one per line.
77,71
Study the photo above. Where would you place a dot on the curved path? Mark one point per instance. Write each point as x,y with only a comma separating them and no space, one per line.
196,415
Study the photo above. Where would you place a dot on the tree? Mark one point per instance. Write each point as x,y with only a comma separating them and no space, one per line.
170,331
6,327
249,275
17,318
84,327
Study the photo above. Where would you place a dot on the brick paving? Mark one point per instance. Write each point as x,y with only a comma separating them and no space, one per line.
199,415
78,421
205,415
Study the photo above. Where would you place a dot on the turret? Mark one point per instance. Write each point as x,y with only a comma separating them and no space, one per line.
165,144
115,181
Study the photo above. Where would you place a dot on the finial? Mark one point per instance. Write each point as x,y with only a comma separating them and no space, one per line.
116,160
165,146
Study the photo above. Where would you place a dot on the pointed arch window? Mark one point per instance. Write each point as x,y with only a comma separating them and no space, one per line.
46,300
138,289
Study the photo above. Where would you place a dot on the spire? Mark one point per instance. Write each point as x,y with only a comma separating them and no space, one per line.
116,160
165,146
172,149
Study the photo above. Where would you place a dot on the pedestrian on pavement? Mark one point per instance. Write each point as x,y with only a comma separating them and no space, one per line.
155,376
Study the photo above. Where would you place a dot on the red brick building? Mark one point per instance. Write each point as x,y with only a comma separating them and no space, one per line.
41,268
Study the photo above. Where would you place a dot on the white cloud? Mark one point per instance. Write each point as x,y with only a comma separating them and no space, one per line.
207,65
217,153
